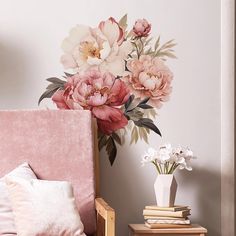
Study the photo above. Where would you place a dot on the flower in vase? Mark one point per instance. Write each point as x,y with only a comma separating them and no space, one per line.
149,156
167,159
103,47
182,157
141,28
177,156
164,153
99,92
149,77
188,156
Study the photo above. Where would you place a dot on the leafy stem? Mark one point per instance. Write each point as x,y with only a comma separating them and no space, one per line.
137,50
142,46
136,114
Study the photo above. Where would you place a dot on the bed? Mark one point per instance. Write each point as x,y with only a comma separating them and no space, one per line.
59,145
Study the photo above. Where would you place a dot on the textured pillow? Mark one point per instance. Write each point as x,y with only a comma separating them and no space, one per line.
7,226
43,207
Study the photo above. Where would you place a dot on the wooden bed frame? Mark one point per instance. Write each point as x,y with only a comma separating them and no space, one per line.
105,214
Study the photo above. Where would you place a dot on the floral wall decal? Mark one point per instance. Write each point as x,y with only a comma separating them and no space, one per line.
120,75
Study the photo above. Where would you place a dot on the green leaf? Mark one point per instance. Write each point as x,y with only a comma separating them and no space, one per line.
166,54
134,114
166,46
147,123
150,113
144,101
102,141
149,51
48,94
145,106
111,150
68,74
54,86
171,45
157,43
134,135
121,133
129,101
56,80
147,130
129,34
123,22
148,41
116,137
143,134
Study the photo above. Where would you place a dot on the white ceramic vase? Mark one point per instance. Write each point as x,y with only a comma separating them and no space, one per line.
165,188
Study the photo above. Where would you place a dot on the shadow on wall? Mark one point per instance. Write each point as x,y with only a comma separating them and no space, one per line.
128,189
13,76
206,186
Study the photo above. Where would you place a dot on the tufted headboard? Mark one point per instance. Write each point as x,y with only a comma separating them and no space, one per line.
58,145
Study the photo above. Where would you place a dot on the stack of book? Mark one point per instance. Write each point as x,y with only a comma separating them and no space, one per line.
166,217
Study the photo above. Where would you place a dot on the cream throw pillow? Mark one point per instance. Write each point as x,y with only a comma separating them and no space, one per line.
7,225
45,208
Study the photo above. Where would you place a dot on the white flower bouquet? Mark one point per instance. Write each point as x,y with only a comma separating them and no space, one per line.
167,159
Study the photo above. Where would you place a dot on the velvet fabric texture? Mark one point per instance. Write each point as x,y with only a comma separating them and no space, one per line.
58,145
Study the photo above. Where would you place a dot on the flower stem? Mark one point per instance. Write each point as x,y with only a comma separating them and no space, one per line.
157,167
168,163
171,169
136,47
166,167
175,167
161,169
142,46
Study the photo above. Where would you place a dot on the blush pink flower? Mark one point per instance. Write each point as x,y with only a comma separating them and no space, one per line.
141,28
111,29
99,92
149,77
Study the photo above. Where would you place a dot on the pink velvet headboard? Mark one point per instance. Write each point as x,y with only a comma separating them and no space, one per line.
58,145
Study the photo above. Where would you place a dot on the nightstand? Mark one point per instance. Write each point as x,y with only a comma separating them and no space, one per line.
142,230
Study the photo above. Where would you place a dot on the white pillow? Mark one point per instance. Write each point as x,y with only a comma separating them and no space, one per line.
7,225
44,208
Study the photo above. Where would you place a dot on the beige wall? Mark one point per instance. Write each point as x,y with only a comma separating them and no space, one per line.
30,37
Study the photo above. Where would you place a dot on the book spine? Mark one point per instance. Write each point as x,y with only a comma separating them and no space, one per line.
179,222
156,208
166,213
162,226
164,217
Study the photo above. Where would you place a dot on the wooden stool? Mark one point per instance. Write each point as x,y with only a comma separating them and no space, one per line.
142,230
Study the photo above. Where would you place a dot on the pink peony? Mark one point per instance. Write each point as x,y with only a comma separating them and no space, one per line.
149,77
141,28
99,92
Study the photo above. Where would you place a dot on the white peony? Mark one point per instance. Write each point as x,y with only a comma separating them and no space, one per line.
149,156
183,156
164,153
103,47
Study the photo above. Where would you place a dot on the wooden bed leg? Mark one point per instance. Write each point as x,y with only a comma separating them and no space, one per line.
100,226
105,218
110,224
